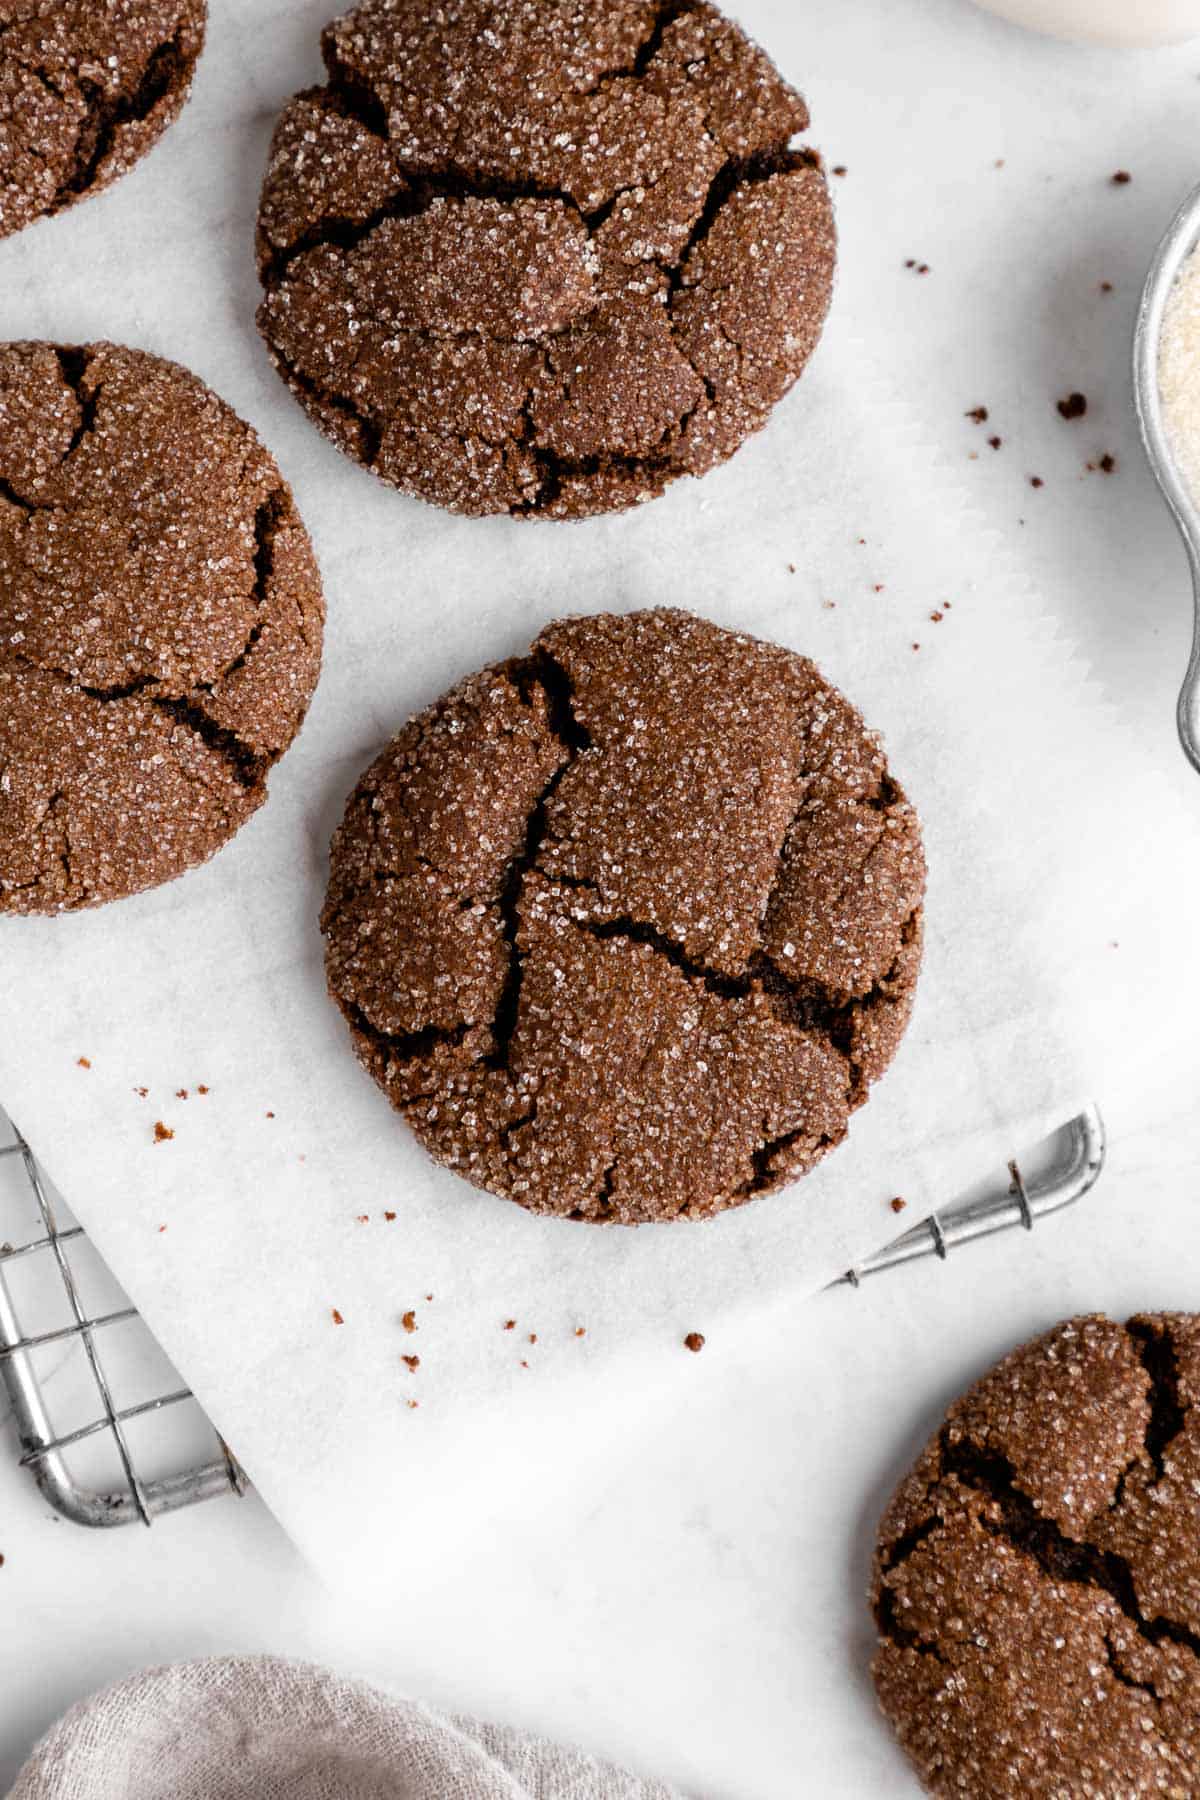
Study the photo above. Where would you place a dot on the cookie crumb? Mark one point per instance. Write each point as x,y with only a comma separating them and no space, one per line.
978,415
524,1364
580,1331
1106,287
85,1062
1073,406
510,1324
791,568
840,169
409,1321
411,1362
694,1341
336,1316
429,1296
995,442
181,1093
1122,178
1108,463
897,1205
161,1229
390,1217
162,1132
202,1089
1035,481
533,1337
937,617
412,1405
879,586
270,1115
916,646
141,1092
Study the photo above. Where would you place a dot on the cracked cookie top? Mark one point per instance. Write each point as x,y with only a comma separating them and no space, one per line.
626,928
542,258
1037,1577
86,87
160,623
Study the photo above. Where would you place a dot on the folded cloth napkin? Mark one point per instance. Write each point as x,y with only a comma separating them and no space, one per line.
277,1730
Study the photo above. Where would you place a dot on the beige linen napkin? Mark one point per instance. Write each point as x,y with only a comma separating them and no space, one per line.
234,1726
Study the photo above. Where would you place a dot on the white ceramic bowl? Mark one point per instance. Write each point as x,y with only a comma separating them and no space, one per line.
1128,22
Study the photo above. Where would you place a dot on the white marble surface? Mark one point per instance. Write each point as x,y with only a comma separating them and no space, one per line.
694,1604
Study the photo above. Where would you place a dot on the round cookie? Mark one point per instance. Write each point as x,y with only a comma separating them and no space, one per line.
542,259
1037,1578
160,623
626,928
86,87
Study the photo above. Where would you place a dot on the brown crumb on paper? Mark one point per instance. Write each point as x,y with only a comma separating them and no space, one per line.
409,1321
202,1089
1122,178
1106,287
937,617
510,1324
897,1205
1073,406
1108,463
336,1316
978,415
580,1331
1035,481
362,1218
181,1093
270,1115
840,169
411,1362
389,1216
412,1405
85,1062
995,442
141,1092
162,1132
694,1341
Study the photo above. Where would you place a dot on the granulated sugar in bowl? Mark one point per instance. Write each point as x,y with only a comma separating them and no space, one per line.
1133,23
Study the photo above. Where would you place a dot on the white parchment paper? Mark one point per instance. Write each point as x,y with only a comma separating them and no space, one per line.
1050,907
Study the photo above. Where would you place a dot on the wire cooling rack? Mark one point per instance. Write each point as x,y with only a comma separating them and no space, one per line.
125,1439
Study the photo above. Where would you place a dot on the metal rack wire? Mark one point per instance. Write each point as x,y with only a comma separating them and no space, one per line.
48,1243
53,1254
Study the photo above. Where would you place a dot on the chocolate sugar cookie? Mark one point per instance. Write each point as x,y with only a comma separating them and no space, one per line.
160,623
626,928
542,259
1037,1580
86,87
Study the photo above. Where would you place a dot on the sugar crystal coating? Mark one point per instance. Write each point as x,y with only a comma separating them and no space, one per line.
542,256
86,87
1037,1576
160,623
626,928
